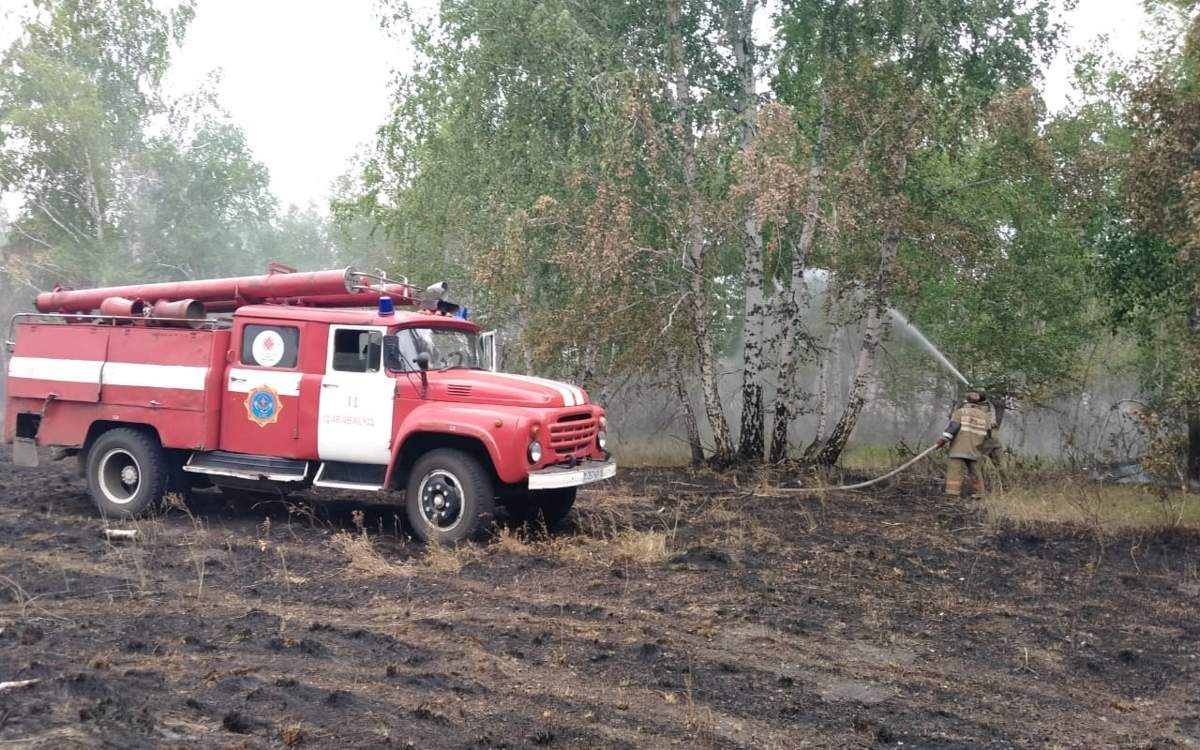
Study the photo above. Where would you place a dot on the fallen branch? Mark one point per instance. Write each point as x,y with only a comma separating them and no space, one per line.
17,684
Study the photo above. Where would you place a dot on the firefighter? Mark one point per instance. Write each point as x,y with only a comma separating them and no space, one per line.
969,429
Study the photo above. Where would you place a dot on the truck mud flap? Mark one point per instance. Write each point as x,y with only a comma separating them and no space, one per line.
25,452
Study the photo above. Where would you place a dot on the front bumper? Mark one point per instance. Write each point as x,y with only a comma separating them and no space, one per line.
557,477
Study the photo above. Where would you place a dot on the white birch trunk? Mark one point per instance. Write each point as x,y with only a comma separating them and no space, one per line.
750,439
786,395
694,247
873,332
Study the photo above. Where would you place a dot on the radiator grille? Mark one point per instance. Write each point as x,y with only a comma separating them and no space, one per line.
573,434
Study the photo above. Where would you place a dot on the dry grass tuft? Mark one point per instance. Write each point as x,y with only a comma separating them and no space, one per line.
513,541
640,547
723,526
360,551
103,661
293,734
610,544
444,559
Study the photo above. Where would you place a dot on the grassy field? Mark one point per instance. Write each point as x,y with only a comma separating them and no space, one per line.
1033,491
1104,508
1043,491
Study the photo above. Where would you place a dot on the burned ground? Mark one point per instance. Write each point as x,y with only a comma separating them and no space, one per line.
673,615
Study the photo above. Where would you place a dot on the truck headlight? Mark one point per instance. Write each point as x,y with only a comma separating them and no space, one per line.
535,452
602,439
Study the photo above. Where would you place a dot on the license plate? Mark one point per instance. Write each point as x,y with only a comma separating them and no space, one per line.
592,475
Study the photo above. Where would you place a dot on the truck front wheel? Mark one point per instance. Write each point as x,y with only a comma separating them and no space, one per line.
127,472
449,497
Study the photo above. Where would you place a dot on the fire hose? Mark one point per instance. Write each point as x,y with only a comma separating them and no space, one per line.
869,482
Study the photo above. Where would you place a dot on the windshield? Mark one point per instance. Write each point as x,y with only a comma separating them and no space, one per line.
446,347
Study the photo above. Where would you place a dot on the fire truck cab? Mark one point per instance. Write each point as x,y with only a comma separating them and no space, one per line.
288,393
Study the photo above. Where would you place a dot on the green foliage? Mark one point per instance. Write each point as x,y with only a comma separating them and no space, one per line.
76,91
119,184
1005,282
532,157
1151,251
539,157
205,206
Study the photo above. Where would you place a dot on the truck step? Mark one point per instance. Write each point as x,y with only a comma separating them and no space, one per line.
348,476
247,466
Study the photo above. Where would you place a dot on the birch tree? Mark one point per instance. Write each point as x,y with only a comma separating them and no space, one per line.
911,77
77,89
1152,258
740,30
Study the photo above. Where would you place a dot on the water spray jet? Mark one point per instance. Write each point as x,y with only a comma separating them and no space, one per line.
937,354
927,344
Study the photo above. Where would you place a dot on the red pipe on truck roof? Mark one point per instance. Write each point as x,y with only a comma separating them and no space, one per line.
367,298
343,287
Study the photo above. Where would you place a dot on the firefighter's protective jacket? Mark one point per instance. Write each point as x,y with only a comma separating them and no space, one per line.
977,422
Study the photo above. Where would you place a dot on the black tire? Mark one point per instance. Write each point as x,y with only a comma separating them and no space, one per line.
449,497
127,472
549,507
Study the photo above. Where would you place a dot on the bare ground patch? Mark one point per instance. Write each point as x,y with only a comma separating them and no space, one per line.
676,613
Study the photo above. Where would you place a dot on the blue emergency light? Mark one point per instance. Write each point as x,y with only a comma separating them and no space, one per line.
461,313
385,306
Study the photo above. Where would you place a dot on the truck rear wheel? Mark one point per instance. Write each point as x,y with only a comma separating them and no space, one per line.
543,506
449,497
127,472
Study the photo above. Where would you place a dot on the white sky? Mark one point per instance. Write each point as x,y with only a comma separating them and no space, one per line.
308,80
1122,21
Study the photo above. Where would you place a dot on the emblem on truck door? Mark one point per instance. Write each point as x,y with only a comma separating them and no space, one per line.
263,405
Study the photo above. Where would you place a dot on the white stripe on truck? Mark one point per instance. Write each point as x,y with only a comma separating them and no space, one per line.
62,370
180,377
571,395
183,377
283,383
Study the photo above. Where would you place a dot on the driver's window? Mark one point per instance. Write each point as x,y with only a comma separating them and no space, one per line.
357,350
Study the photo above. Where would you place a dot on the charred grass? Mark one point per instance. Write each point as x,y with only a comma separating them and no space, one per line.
678,610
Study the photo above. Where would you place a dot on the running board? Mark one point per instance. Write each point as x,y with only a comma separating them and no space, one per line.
347,476
247,466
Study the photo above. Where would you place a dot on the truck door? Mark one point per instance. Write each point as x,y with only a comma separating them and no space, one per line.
260,411
354,423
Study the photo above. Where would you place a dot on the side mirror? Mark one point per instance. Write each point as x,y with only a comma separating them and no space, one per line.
489,351
422,360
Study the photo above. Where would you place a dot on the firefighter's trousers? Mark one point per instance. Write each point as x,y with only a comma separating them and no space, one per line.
957,470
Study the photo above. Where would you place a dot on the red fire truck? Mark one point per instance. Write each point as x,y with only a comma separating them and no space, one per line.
288,380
